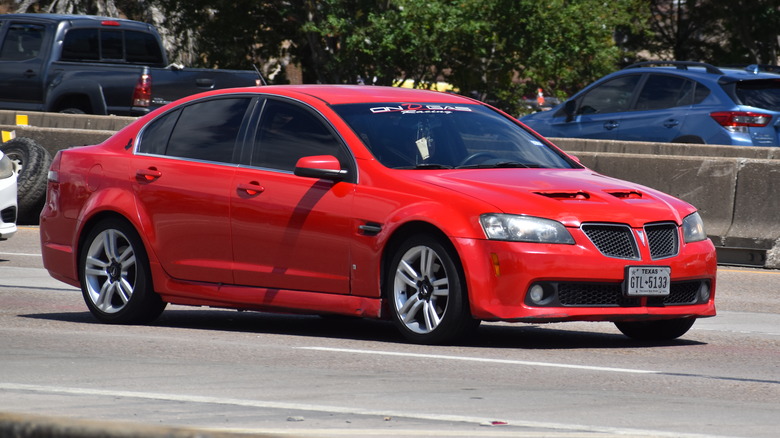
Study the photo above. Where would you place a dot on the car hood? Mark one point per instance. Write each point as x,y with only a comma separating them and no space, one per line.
570,196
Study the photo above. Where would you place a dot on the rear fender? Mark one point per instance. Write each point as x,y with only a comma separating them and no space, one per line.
61,92
113,202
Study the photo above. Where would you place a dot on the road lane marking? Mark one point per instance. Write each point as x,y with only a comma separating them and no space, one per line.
265,404
483,360
541,364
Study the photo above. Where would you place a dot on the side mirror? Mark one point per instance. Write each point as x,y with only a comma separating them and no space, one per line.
321,167
569,108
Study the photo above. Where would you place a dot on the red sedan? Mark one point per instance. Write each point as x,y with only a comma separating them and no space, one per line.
430,209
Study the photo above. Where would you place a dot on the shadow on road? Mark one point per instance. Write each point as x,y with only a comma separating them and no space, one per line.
520,336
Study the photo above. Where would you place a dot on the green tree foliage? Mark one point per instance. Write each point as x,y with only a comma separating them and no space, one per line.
495,50
714,31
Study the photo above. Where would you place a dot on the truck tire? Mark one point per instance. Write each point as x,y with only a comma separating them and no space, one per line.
34,162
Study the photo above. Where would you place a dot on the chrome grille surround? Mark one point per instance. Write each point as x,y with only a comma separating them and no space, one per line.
620,241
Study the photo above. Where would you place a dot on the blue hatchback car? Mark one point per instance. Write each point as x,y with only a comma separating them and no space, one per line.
672,101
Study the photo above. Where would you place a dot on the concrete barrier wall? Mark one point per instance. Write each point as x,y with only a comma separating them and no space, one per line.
734,187
575,145
54,139
66,121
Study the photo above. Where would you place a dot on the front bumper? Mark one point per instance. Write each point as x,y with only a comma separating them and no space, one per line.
580,283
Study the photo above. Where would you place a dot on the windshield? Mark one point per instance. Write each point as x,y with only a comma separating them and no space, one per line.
425,136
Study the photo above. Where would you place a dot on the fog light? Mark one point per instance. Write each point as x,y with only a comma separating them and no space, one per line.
536,294
704,292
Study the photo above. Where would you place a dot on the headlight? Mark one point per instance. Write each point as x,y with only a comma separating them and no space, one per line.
693,228
524,229
6,166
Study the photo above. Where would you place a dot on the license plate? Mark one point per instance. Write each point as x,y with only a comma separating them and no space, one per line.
647,281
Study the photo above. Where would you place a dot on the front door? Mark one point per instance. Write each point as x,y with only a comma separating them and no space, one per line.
291,232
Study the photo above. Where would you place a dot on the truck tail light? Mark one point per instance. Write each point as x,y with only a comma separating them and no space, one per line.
142,94
740,121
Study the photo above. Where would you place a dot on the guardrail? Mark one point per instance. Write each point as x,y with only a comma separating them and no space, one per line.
733,187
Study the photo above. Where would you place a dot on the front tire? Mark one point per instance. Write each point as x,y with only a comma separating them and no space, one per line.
426,292
115,278
661,330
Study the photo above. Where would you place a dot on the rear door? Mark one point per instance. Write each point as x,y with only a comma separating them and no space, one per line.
659,111
183,172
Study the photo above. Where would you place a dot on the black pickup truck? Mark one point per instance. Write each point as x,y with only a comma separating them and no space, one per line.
95,65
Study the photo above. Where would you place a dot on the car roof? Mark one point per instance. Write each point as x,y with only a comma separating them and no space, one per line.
63,17
702,71
344,94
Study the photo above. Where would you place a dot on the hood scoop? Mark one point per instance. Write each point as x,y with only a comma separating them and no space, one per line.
625,194
577,195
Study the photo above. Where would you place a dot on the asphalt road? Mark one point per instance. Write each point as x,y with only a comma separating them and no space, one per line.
308,376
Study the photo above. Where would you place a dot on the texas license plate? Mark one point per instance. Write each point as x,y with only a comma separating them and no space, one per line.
647,281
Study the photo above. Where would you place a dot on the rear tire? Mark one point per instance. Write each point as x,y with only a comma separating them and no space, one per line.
426,292
115,277
661,330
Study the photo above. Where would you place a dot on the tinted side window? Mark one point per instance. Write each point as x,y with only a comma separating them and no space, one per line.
81,45
156,134
662,91
23,41
287,133
207,130
142,48
609,97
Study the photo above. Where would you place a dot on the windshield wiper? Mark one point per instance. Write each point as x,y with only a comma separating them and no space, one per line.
503,164
427,166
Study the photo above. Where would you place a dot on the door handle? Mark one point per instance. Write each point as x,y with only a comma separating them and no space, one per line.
252,188
671,123
204,82
147,175
29,73
611,125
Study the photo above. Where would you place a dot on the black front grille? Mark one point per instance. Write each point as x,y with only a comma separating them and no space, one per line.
612,240
663,240
592,294
611,295
686,292
8,215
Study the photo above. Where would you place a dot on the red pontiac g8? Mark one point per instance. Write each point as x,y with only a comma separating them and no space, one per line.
429,209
